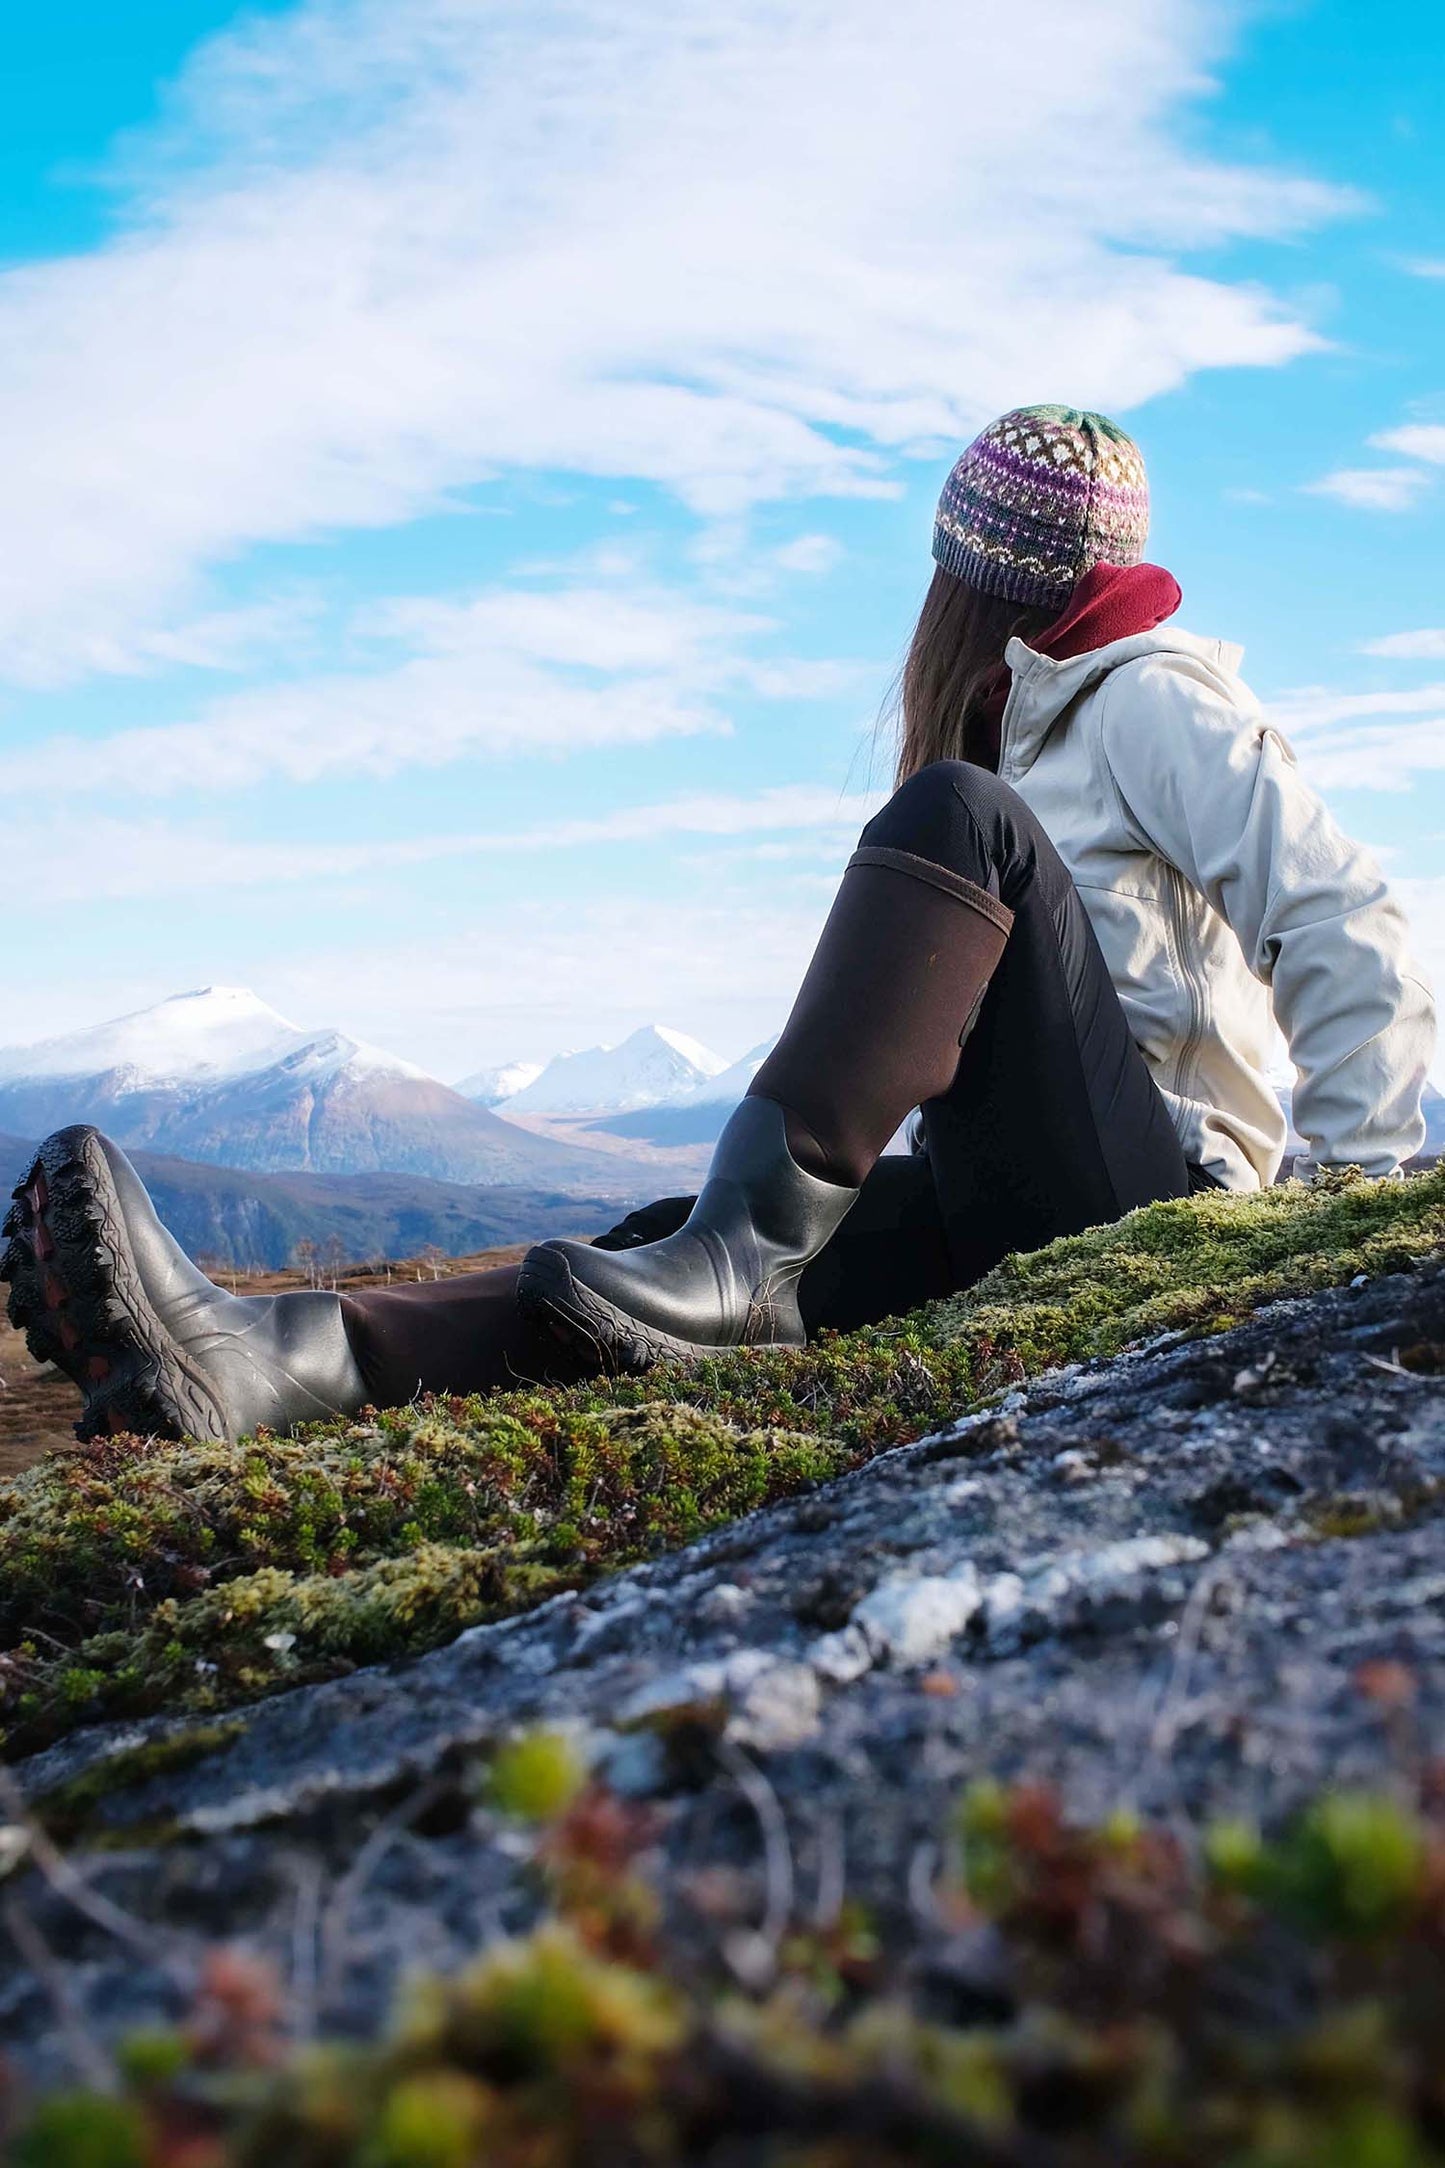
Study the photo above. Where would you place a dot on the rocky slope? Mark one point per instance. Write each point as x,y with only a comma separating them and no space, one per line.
1188,1589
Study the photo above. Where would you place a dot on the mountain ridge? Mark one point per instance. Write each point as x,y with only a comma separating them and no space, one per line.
489,1087
697,1118
652,1066
217,1076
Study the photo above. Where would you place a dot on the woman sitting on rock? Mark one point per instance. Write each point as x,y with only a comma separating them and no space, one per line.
1066,939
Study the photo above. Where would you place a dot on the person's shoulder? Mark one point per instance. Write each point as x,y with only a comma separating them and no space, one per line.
1171,654
1179,712
1189,677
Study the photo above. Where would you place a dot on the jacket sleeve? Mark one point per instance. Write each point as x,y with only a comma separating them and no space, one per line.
1206,784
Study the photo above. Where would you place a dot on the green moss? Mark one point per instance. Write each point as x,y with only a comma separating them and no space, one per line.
437,2120
1347,1514
154,2058
1199,1264
137,1575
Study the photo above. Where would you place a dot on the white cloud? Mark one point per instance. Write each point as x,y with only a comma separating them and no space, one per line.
1317,707
811,553
1382,757
1425,267
1364,741
1427,645
725,969
1417,440
222,640
1373,489
380,254
511,671
92,858
605,627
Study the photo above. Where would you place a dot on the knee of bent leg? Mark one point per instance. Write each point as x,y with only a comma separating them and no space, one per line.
944,812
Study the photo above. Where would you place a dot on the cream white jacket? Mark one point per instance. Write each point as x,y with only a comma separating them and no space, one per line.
1223,896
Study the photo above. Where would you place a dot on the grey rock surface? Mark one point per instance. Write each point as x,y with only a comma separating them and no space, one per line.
1151,1581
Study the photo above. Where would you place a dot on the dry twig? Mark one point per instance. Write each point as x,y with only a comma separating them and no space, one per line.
336,1921
777,1851
68,1883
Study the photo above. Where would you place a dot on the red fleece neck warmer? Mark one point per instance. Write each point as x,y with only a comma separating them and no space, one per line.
1112,602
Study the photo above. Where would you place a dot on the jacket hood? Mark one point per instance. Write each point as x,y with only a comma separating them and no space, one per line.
1043,689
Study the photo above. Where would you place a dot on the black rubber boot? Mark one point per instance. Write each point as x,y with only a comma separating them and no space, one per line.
728,1278
896,980
102,1291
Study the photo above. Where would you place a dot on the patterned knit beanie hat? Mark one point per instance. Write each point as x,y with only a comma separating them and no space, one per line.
1040,498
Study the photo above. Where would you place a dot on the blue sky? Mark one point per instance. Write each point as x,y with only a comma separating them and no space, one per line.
469,467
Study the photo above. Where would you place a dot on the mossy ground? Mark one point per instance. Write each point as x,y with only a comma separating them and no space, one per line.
138,1576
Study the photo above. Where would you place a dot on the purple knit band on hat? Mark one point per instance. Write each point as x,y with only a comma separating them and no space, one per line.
1040,497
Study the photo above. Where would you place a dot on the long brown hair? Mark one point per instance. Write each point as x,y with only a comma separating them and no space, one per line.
953,664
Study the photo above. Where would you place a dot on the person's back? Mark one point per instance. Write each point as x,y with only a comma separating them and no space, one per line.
1226,900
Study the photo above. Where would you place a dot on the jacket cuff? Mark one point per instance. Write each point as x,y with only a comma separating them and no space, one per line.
1309,1171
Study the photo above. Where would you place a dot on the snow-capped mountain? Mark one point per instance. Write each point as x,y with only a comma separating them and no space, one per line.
654,1067
489,1087
220,1077
697,1117
214,1032
729,1085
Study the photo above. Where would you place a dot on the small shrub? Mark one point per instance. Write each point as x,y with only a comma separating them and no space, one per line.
85,2130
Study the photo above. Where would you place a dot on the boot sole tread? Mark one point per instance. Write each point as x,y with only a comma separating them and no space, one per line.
76,1294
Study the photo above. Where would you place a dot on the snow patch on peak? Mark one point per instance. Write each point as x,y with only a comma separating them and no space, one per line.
211,1032
731,1083
210,1036
654,1066
326,1055
702,1057
490,1087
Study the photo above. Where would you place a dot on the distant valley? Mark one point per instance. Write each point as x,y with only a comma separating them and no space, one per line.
254,1222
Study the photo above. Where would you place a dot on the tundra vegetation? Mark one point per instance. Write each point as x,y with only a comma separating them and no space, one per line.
1171,2001
1261,2000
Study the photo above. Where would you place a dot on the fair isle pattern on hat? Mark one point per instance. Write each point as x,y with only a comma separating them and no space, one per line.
1039,498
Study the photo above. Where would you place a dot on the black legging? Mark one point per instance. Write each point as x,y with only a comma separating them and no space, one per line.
1053,1122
